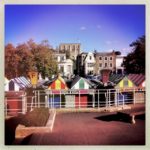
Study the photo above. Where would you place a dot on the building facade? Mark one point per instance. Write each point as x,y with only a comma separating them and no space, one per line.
105,60
119,67
86,64
89,64
72,50
65,66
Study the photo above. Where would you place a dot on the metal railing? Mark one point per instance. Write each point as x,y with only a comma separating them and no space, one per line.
92,98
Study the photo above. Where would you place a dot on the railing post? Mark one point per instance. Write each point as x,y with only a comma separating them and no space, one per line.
23,104
79,99
38,99
46,101
35,99
93,100
60,99
98,98
109,98
5,106
106,94
134,96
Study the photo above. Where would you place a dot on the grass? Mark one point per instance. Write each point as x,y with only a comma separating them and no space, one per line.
37,117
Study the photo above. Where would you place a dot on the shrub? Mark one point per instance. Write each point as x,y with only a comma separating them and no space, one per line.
37,117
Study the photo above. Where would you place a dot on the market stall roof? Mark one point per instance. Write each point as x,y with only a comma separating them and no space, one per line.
58,83
116,78
137,79
22,82
78,79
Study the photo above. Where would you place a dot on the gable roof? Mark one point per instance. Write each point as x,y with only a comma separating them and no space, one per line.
116,78
22,82
77,79
51,83
137,79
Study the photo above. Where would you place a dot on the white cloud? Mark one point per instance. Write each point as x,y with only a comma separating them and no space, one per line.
83,28
126,50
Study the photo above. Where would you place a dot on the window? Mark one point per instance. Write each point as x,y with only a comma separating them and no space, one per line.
62,58
105,58
100,65
90,57
125,82
110,58
81,84
90,65
110,64
105,64
99,71
69,68
61,69
100,58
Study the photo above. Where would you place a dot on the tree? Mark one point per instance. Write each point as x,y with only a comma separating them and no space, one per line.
135,60
44,60
25,61
29,56
11,61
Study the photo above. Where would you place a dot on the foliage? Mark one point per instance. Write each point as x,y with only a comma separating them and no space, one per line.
135,60
29,56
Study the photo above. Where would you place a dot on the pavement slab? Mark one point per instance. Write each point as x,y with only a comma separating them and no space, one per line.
93,128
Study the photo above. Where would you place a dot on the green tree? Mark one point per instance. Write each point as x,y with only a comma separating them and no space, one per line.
43,59
135,60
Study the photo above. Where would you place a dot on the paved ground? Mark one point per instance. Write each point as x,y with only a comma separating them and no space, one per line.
91,129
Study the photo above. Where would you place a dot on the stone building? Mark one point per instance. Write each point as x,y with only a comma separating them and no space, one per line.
105,60
72,50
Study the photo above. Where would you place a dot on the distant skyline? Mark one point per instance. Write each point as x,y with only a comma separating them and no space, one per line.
96,27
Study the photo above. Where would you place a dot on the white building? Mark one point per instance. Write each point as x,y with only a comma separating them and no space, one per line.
119,67
65,66
89,64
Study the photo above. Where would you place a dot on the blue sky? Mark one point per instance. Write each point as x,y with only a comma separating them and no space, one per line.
99,27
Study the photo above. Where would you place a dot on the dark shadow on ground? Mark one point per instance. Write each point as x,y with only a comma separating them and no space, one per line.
111,117
26,140
116,117
141,117
10,128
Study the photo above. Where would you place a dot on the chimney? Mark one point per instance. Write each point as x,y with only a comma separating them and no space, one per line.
105,76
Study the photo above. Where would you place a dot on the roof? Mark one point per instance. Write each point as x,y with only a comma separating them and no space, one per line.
22,82
137,79
116,78
56,78
77,78
104,53
69,44
6,80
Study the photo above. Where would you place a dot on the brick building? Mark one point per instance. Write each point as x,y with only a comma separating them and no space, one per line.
105,60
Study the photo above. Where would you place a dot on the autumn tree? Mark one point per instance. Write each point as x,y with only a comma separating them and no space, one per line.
25,61
11,61
29,56
135,60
